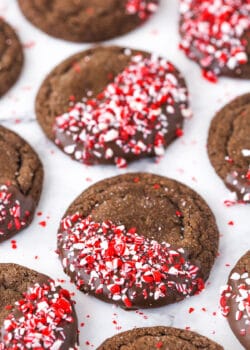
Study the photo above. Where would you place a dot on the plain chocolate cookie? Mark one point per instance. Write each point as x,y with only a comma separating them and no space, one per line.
113,105
229,146
235,300
11,57
138,240
35,312
156,338
87,21
21,178
216,35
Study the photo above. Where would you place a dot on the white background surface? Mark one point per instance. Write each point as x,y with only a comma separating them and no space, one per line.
185,160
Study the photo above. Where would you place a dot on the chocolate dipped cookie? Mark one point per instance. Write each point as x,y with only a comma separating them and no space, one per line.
139,241
229,146
35,312
162,338
87,21
235,300
216,35
113,105
21,178
11,57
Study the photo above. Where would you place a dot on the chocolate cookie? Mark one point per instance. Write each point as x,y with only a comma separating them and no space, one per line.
216,34
11,57
139,241
85,21
162,338
35,312
21,177
112,105
235,300
229,146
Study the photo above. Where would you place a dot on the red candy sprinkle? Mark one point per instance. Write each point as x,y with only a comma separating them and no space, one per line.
131,114
11,215
212,34
115,260
38,320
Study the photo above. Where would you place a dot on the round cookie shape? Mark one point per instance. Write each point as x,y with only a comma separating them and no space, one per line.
11,57
138,240
21,178
229,146
113,105
35,311
159,338
235,300
84,21
216,35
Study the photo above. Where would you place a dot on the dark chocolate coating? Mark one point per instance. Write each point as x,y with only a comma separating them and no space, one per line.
22,171
15,280
152,210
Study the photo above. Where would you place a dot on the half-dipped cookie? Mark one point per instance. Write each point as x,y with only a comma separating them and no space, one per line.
138,240
216,35
35,311
235,300
113,105
229,146
87,21
21,178
162,338
11,57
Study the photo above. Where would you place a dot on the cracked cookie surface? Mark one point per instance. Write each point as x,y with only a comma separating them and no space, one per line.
229,146
21,177
159,338
85,21
134,211
11,57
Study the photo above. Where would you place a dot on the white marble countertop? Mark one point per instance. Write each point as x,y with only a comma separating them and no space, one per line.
185,160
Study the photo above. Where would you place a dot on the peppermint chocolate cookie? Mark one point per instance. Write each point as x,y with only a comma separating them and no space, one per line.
139,241
155,338
216,34
235,300
11,57
21,177
113,105
229,146
87,21
35,312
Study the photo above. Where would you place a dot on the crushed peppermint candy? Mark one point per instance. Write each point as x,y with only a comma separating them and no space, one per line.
212,34
39,319
12,217
240,296
129,118
142,8
122,265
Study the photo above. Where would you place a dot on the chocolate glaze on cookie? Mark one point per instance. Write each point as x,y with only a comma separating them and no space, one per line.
35,312
155,338
235,300
87,21
216,34
113,105
21,176
229,146
139,241
11,57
